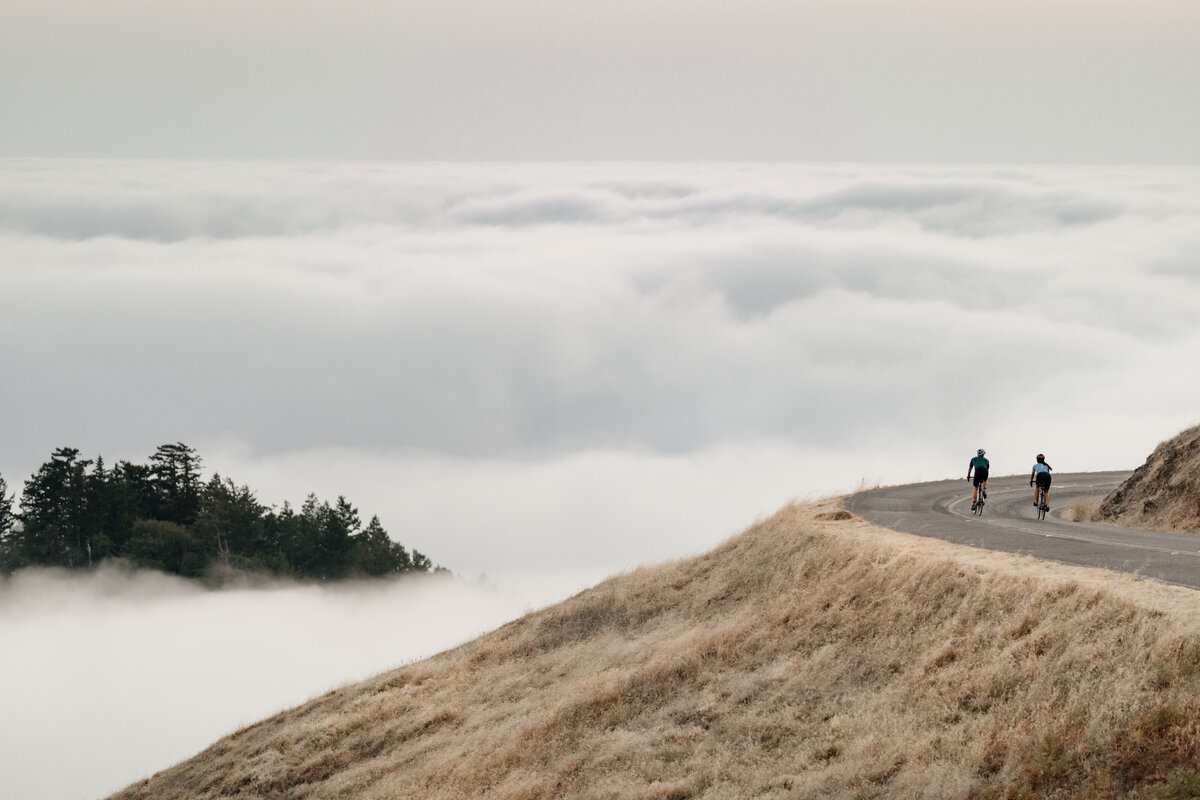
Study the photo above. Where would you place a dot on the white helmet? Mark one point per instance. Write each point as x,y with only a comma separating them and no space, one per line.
981,451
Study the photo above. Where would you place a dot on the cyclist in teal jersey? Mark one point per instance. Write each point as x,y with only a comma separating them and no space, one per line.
980,465
1041,476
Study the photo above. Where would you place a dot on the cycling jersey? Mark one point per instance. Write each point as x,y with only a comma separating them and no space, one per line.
979,462
1040,467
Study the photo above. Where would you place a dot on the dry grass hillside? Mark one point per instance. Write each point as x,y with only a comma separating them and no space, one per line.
1164,492
811,656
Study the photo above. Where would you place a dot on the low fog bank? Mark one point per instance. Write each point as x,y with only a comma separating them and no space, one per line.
611,510
111,676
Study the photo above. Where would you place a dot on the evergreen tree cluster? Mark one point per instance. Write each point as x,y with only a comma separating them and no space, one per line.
77,512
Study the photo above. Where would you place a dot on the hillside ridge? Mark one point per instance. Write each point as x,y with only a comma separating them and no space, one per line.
1164,492
813,655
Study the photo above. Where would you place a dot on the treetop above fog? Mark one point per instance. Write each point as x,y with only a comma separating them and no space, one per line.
76,513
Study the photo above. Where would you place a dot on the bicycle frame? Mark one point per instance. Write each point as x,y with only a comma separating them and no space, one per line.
980,495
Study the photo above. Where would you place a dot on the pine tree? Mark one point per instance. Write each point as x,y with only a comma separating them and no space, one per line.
161,516
375,554
421,562
7,535
176,470
338,526
101,521
167,546
54,518
230,519
281,531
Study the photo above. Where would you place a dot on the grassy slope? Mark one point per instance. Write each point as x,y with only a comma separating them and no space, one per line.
810,656
1164,492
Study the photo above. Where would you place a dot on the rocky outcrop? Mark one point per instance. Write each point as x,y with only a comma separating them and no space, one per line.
1165,491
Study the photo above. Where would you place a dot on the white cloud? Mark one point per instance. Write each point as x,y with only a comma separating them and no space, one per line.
595,511
537,311
561,371
112,677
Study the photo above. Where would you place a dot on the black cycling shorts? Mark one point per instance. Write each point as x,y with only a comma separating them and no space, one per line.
980,476
1042,479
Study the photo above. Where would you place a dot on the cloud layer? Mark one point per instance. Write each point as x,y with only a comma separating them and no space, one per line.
112,677
502,317
547,373
534,312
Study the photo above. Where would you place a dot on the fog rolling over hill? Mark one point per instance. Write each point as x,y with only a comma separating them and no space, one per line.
813,655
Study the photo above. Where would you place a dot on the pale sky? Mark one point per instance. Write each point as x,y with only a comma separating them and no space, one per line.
1054,81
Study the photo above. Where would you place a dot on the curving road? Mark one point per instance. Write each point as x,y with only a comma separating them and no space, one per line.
943,510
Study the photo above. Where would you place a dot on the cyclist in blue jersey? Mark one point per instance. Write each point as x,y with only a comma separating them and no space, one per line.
980,465
1041,476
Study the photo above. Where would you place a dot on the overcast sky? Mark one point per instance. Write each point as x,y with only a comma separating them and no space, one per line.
1051,81
327,245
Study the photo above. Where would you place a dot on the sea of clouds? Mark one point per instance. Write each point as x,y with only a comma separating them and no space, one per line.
550,373
111,677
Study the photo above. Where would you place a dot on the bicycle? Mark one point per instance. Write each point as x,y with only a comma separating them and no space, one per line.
1042,507
977,506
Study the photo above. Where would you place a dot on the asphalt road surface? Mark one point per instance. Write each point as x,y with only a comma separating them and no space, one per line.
1009,523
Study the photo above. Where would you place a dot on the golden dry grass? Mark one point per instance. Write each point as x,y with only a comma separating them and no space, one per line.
812,656
1163,493
1086,510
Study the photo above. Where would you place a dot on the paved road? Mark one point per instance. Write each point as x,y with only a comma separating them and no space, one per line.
1009,523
